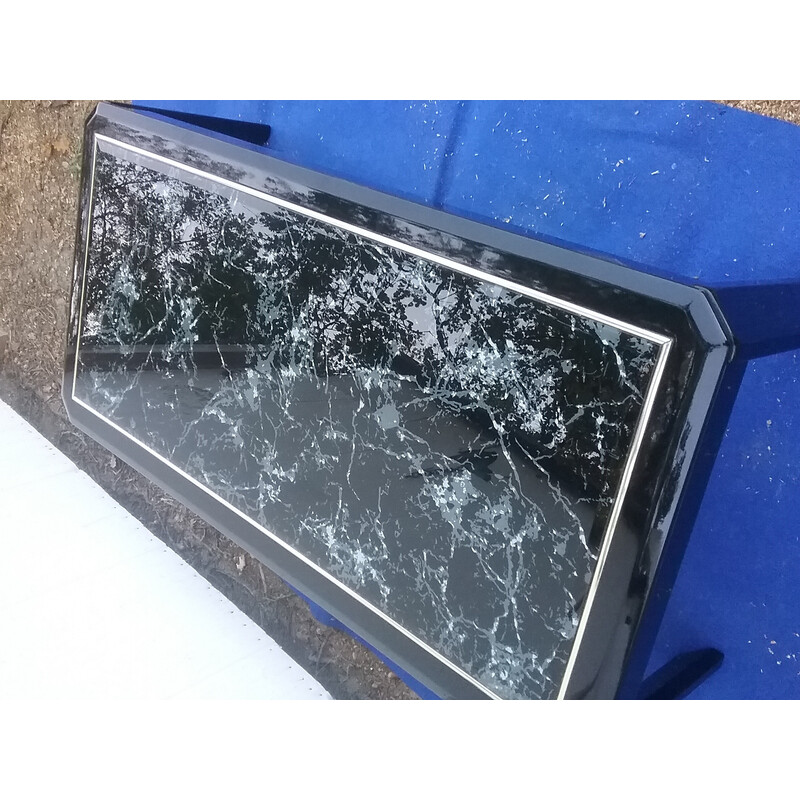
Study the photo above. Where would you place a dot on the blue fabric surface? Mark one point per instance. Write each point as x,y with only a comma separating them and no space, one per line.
693,191
738,588
689,190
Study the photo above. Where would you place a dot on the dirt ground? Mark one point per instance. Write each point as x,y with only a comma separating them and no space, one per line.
40,145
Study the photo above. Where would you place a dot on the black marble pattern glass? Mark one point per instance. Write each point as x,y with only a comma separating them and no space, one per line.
447,448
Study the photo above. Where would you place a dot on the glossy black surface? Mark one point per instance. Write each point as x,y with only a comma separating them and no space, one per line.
432,455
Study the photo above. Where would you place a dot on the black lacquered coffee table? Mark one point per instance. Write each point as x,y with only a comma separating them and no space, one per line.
468,446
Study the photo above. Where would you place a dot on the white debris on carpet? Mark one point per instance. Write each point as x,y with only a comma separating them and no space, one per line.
92,605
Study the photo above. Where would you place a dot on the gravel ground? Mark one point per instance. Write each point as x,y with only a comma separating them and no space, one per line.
39,172
787,110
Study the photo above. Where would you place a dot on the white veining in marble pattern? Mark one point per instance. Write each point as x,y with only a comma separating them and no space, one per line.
439,444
